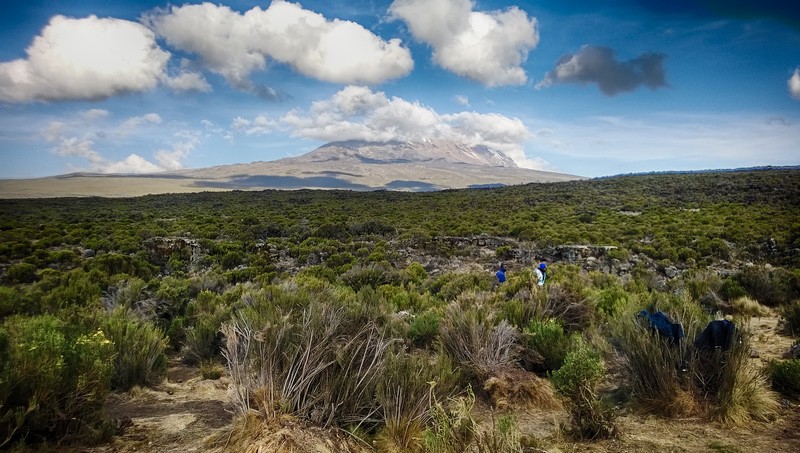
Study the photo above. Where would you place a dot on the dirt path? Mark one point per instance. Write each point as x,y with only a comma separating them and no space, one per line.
176,416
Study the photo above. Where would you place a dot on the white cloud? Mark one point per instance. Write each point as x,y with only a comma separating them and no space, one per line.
84,59
488,47
235,45
462,100
794,84
261,125
93,114
134,163
133,123
78,139
358,113
187,81
173,159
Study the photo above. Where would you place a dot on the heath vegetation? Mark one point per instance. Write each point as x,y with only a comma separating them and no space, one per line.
376,317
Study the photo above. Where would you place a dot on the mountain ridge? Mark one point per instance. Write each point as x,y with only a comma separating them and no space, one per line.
428,165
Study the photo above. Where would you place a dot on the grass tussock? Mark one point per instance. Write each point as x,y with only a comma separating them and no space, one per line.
746,306
286,434
479,347
312,365
512,388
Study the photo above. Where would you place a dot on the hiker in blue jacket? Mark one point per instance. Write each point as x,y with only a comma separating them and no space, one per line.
541,273
501,273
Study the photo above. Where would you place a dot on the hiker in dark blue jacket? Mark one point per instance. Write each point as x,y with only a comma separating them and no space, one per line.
501,273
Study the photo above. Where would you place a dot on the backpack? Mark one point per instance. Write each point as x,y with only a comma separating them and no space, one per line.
663,324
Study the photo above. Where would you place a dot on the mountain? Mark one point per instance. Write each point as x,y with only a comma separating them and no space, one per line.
396,152
354,165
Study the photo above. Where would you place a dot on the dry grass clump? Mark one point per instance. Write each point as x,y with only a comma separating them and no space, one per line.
474,343
286,434
746,306
654,369
564,304
736,390
313,365
511,388
405,396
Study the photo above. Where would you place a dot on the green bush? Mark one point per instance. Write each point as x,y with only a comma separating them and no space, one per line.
372,274
424,328
771,286
785,377
731,289
53,380
21,273
548,343
139,346
611,300
791,317
577,381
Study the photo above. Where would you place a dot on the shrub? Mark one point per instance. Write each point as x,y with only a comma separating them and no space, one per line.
548,343
415,273
731,289
372,274
770,286
21,273
517,312
566,305
785,377
139,346
52,381
577,381
791,317
9,302
610,300
700,283
450,285
503,437
424,328
210,369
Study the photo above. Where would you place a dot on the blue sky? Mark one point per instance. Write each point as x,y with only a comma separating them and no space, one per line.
586,88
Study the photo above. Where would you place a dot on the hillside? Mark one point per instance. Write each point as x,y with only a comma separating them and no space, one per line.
360,166
154,321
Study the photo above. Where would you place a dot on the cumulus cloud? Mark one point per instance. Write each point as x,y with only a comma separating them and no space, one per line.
488,47
596,64
261,125
79,139
794,84
84,59
462,100
173,159
235,45
187,81
358,113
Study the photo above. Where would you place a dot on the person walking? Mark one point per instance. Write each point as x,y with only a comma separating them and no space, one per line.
541,273
501,274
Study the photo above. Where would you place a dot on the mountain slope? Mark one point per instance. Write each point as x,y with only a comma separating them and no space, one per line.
353,165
